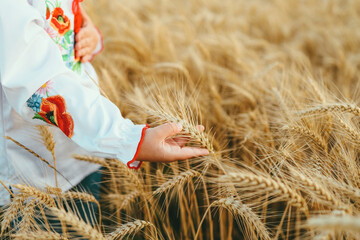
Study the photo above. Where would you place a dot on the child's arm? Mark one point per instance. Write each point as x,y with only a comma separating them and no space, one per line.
88,40
29,59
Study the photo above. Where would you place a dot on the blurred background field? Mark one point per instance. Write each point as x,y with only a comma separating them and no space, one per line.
276,85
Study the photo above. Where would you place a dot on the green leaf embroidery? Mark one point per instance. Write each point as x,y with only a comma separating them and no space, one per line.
52,120
76,67
49,2
67,36
37,116
64,46
65,57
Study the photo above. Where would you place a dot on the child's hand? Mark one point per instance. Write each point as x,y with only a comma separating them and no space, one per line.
158,147
86,39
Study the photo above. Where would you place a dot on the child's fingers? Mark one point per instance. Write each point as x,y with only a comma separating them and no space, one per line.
181,141
83,52
83,33
201,128
167,130
185,138
187,152
82,43
86,58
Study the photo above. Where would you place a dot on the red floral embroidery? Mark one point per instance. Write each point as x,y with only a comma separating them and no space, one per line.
59,21
47,13
53,111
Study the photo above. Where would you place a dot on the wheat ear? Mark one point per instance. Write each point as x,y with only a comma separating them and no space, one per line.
353,134
90,159
27,216
53,190
320,191
341,107
49,143
187,127
42,197
128,228
38,235
12,211
179,180
251,220
295,199
350,191
331,222
310,134
81,196
77,224
84,197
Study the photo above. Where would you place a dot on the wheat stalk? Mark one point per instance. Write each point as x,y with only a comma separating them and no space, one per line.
30,151
35,154
128,228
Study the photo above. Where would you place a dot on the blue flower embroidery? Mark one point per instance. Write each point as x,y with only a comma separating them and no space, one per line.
34,102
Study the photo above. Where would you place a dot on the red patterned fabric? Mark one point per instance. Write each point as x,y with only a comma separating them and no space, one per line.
138,149
77,15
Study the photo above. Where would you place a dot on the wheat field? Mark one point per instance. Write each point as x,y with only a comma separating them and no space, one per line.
274,82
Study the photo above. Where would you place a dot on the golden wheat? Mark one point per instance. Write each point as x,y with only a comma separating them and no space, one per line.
38,235
250,179
255,228
41,196
176,181
77,224
128,228
335,222
11,211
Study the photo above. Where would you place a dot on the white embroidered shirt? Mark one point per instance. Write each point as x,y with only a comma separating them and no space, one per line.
42,83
